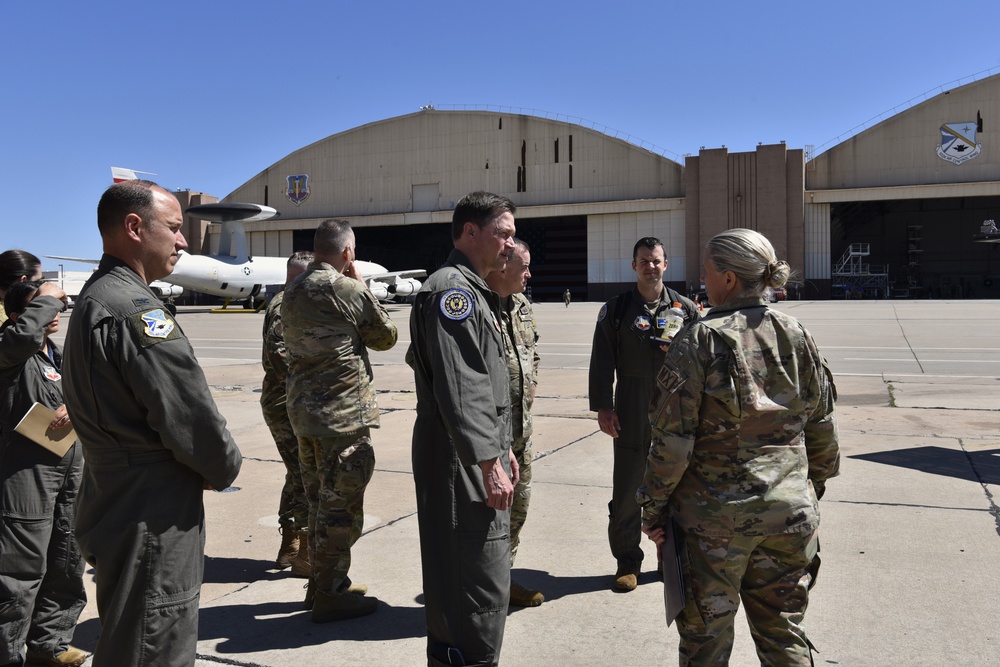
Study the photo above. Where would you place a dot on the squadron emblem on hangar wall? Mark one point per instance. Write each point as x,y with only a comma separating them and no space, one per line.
958,141
298,188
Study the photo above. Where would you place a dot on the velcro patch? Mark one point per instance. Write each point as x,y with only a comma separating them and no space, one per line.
456,304
154,326
602,313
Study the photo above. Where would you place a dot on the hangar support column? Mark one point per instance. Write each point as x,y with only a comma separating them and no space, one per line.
763,190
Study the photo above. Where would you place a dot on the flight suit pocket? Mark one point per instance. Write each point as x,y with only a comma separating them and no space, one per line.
668,381
173,589
484,566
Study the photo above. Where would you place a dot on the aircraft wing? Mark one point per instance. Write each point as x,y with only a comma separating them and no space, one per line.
82,260
164,289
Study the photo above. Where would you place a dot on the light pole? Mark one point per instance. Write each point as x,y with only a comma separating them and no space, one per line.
62,286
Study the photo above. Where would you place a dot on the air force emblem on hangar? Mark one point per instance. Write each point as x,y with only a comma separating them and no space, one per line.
958,142
298,188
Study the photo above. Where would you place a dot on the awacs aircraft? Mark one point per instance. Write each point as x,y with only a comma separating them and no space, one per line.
235,275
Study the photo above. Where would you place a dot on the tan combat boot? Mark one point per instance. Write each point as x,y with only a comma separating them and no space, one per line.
359,589
524,597
301,565
71,657
626,579
329,607
288,549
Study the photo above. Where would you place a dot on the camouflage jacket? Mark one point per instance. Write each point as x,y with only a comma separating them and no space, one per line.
521,343
329,322
273,356
743,426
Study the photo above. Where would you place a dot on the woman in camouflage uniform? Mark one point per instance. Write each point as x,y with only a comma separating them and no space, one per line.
744,439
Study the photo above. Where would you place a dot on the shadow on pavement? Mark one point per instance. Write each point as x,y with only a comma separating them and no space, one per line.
284,625
978,466
553,587
241,571
86,634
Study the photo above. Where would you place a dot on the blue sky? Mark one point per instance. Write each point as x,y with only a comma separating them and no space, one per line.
207,94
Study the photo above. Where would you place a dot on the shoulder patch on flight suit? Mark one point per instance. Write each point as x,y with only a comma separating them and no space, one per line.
602,313
51,373
154,326
456,304
642,323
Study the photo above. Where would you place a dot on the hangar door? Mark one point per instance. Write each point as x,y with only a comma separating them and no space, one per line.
922,247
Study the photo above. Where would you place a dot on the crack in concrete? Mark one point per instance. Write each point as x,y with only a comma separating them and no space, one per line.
391,523
916,505
542,455
994,509
227,661
903,334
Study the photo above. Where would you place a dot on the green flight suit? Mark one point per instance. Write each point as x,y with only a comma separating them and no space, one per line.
623,366
152,438
41,571
463,418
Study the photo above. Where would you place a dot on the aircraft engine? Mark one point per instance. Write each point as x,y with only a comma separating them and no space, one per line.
379,290
166,290
405,287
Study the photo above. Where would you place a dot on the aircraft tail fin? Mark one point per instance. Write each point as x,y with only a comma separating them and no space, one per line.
121,174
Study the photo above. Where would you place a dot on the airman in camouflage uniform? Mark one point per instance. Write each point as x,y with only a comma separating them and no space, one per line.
330,320
522,362
293,508
744,438
520,341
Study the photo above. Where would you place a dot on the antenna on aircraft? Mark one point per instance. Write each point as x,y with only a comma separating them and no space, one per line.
232,217
225,212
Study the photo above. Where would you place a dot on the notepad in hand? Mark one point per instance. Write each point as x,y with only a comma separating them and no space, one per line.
35,427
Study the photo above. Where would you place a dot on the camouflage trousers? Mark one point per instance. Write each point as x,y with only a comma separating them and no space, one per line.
335,472
772,574
293,509
522,493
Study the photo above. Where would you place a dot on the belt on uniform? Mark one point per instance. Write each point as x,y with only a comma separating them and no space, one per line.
123,458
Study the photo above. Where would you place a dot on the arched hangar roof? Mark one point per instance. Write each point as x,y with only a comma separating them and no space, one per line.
428,160
954,137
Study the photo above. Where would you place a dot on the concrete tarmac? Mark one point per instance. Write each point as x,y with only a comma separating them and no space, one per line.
910,530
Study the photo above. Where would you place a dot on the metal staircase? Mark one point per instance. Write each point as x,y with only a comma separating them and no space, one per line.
854,278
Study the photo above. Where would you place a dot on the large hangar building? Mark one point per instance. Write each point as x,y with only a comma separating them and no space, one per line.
889,212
